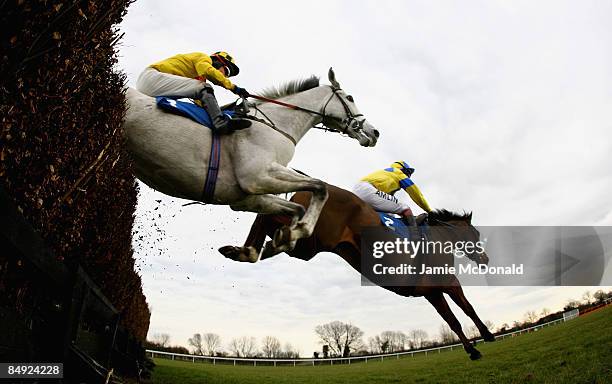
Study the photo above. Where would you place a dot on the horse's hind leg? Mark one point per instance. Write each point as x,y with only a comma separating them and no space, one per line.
456,294
263,204
437,299
279,179
251,249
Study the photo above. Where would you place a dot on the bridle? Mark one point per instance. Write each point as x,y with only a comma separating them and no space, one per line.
350,121
452,228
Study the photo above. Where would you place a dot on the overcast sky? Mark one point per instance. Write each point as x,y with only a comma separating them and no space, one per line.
504,108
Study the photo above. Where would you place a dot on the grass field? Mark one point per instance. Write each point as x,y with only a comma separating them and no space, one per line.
579,351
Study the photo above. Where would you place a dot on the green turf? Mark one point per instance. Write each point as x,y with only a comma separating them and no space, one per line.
579,351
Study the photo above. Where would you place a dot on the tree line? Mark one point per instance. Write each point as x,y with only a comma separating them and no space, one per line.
210,344
340,339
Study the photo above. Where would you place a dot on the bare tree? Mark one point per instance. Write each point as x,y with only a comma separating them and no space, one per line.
341,337
489,324
447,335
161,339
531,317
271,347
331,334
392,341
234,347
243,346
212,342
196,343
600,296
400,341
353,341
545,312
249,346
587,297
381,343
389,340
571,304
418,338
290,352
375,344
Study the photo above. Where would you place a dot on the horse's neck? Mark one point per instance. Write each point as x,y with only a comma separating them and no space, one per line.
297,123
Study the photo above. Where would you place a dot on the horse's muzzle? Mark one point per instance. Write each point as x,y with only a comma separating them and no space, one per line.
369,135
483,259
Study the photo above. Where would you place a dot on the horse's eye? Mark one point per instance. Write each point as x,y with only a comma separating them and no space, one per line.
350,98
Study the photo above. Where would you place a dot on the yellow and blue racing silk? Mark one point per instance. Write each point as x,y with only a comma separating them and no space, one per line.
196,65
391,180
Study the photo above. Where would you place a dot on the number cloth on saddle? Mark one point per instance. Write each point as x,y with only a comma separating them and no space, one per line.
396,224
187,109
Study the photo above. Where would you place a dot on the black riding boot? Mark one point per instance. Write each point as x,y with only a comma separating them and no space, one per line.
222,124
415,232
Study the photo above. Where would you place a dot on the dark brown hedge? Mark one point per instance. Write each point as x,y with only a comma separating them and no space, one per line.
62,156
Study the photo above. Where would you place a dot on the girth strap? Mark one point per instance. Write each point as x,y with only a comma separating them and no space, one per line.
213,169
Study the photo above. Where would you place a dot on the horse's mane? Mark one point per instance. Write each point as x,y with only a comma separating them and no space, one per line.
446,215
290,88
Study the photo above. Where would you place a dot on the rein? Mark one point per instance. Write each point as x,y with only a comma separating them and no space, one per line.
442,222
291,106
350,117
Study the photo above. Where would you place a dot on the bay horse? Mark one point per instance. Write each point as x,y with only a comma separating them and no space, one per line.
342,220
171,153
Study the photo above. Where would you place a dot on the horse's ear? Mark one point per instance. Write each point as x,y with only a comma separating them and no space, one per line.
469,218
332,78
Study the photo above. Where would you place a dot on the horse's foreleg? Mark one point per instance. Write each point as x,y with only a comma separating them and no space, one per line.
439,302
269,205
456,294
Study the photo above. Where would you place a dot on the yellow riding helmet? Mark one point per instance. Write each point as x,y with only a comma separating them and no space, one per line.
228,61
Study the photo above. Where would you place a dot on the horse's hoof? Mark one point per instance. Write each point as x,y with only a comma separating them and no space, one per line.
230,252
281,236
475,355
251,255
244,254
488,336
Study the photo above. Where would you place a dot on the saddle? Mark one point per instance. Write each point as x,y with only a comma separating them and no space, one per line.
397,225
192,111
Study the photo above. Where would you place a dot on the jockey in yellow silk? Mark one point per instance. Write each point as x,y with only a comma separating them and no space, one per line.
187,75
378,187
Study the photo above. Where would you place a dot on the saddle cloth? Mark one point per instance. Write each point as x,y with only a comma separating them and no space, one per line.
396,224
188,109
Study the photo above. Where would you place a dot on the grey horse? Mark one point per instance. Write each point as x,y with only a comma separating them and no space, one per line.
171,153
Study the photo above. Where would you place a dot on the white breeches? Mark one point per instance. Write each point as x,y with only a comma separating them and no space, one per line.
153,83
379,200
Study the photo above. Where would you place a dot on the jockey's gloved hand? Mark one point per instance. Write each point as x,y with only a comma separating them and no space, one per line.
241,91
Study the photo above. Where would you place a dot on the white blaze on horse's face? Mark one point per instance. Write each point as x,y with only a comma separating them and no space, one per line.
346,118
